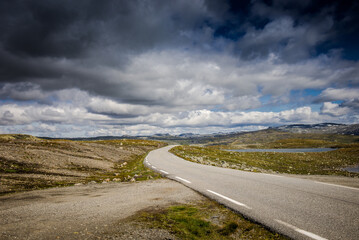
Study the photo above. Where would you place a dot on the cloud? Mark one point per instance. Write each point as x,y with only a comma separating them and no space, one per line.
335,94
293,43
334,109
14,114
125,67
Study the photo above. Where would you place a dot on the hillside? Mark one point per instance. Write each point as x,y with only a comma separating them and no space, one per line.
28,163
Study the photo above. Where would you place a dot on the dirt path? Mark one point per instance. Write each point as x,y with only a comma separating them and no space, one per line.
96,211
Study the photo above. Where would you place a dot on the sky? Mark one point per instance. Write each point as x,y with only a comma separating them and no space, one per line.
137,67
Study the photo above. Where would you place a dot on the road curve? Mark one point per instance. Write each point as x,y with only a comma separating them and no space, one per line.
298,208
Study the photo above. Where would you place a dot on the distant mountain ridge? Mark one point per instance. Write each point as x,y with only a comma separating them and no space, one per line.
333,128
321,128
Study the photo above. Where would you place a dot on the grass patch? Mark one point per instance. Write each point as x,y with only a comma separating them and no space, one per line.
126,171
21,183
301,143
12,166
205,220
271,138
321,163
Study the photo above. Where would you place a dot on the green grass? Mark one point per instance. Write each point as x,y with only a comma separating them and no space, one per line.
12,166
205,220
271,138
321,163
133,169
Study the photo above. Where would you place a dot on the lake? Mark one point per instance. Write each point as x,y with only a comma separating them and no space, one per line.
285,150
352,169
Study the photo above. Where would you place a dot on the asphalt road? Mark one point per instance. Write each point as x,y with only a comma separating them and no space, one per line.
298,208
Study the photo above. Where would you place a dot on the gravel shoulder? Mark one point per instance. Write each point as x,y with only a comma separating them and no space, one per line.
93,211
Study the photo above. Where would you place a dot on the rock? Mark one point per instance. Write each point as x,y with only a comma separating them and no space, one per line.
107,179
116,180
78,184
116,174
124,164
104,182
149,177
92,182
133,180
225,165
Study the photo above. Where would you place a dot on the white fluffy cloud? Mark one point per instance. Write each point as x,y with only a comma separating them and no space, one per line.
335,94
334,109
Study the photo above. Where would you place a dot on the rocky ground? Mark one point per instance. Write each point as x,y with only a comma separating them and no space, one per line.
28,163
91,211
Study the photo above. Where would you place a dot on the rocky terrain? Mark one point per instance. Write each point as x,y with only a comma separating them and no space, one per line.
28,163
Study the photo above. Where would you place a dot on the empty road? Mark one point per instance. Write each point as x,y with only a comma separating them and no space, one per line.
298,208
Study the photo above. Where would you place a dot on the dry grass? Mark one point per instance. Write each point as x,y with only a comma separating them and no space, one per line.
28,163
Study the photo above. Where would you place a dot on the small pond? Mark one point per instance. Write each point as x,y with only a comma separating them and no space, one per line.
352,169
286,150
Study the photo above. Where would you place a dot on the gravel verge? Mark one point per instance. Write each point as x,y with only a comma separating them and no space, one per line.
93,211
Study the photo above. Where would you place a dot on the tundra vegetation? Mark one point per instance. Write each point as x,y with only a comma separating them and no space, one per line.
320,163
28,163
204,220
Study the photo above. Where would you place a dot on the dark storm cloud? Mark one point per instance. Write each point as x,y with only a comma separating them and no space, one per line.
296,29
57,43
64,44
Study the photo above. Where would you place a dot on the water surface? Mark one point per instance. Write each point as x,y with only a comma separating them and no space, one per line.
352,169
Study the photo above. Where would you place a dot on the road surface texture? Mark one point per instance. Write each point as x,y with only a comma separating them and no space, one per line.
298,208
95,211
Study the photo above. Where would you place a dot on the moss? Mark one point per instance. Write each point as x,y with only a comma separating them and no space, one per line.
195,221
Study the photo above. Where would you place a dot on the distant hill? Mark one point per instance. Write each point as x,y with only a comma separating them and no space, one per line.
330,128
18,137
299,131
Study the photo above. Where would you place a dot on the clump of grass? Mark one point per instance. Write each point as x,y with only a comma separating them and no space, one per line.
322,163
26,183
196,221
12,166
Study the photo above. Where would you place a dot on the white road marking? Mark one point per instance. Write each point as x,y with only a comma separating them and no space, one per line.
164,171
309,234
229,199
336,185
154,167
184,180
